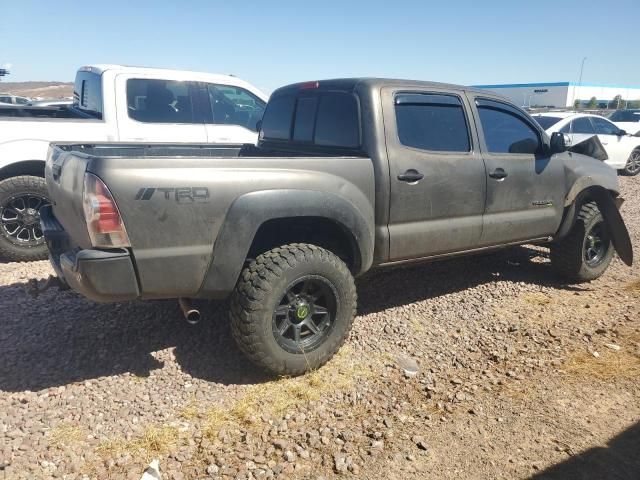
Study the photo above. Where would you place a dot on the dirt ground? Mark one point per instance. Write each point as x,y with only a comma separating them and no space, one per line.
518,376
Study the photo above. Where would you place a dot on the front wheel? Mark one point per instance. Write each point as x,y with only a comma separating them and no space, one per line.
586,252
293,308
632,168
21,239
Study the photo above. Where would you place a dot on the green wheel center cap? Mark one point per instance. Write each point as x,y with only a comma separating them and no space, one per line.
302,311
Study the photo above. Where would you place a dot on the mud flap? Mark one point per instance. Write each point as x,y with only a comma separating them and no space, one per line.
615,224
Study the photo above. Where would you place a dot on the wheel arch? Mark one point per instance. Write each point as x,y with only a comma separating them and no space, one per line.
575,199
23,167
261,220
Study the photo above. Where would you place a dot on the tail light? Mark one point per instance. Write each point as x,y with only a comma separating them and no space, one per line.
102,216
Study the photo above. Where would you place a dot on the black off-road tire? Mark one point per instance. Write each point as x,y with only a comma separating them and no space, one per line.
568,256
9,189
632,168
261,288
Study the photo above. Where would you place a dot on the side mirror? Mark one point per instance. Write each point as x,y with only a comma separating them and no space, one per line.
622,133
558,142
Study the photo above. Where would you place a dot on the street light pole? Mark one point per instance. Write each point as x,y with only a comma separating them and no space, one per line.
579,80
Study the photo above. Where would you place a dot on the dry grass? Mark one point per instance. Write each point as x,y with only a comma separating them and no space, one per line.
610,365
633,287
537,299
275,398
65,434
153,442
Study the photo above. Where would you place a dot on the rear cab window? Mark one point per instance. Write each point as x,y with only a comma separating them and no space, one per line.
313,118
87,93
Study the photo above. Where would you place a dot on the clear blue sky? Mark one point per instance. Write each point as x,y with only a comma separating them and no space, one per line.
279,42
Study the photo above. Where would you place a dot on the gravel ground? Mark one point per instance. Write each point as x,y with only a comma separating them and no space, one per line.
484,367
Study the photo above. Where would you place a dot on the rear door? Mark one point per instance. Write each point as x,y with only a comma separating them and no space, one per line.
437,174
232,114
525,186
159,110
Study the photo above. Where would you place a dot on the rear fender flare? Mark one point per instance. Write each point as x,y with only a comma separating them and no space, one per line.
248,212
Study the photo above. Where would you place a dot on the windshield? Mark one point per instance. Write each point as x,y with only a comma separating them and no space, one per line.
625,116
546,122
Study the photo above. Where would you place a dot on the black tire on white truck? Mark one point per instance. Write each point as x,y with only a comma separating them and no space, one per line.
21,239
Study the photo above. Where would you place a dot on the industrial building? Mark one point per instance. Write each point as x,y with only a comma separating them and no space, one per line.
563,94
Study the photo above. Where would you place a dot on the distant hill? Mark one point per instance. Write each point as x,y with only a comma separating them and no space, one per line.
38,89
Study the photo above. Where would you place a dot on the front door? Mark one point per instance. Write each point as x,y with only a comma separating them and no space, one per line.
525,186
437,189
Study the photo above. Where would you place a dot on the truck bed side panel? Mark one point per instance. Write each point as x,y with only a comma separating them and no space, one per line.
174,209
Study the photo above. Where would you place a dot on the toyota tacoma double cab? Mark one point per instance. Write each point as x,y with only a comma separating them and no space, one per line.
113,103
348,175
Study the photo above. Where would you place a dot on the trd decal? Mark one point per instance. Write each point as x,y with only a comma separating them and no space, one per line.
182,195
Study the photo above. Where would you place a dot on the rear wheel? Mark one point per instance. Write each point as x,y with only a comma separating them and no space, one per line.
293,308
21,238
586,252
632,168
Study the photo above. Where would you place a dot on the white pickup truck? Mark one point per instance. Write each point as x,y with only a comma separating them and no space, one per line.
113,103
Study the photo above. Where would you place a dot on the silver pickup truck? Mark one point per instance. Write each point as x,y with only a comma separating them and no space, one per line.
348,175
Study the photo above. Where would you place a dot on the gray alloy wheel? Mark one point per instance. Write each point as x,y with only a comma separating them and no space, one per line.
632,168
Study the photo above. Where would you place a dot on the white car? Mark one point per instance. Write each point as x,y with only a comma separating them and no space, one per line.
622,149
113,103
8,99
628,120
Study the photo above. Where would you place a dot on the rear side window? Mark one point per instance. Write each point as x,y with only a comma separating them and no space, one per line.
87,93
432,122
580,125
505,131
161,101
546,122
325,119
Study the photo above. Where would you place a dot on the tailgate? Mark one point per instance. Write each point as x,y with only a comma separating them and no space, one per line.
64,173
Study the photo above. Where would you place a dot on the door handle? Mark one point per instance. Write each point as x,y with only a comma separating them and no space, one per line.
499,174
410,176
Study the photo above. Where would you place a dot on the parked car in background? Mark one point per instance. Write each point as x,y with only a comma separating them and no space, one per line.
628,120
622,149
8,99
51,103
113,103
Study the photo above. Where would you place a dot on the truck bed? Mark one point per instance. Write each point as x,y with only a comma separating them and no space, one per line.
175,199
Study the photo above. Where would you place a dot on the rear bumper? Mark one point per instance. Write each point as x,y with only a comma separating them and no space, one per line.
102,276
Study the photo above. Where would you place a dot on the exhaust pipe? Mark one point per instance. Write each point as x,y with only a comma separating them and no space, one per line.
191,314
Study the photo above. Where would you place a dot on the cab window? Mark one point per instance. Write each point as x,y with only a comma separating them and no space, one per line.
161,101
235,106
604,127
505,131
431,122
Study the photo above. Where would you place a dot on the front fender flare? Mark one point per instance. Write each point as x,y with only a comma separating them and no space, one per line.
248,212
